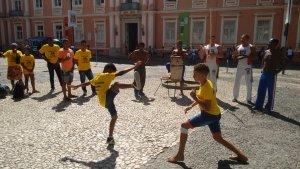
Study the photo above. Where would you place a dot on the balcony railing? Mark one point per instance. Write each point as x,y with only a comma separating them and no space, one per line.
130,6
15,13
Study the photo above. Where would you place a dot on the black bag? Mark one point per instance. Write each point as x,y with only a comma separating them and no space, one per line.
18,92
4,90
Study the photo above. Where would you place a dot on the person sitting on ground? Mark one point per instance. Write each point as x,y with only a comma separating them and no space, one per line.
210,115
28,64
107,95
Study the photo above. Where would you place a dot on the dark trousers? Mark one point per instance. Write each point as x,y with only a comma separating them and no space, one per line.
142,71
89,75
267,81
51,68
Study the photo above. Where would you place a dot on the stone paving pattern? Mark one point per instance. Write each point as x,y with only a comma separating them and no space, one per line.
42,131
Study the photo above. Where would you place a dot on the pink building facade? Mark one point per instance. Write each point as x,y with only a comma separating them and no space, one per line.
114,27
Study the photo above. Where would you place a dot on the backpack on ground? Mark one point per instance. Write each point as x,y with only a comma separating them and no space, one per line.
4,90
18,92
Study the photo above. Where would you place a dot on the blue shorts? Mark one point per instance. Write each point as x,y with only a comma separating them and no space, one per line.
111,93
203,119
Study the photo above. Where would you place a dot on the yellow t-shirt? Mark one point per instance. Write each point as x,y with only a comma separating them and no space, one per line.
101,83
83,59
28,61
11,57
207,92
50,52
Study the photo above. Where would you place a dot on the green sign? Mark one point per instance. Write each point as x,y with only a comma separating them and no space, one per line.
184,28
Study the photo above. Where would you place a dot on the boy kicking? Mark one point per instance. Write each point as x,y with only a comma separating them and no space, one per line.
210,115
106,95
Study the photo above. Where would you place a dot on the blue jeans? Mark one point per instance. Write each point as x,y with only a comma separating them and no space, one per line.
51,68
89,75
203,119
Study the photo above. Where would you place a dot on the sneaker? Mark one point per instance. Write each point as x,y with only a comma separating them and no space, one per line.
254,108
249,102
234,100
110,140
84,93
142,94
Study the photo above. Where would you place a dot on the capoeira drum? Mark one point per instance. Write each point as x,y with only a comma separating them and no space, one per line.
176,68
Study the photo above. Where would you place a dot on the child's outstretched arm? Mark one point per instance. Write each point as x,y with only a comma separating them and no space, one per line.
137,64
190,107
74,87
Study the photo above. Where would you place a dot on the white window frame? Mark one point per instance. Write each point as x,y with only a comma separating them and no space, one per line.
19,5
79,34
257,18
19,34
173,2
231,3
96,4
264,2
201,41
100,37
235,27
77,3
40,3
164,30
54,2
55,30
37,31
199,3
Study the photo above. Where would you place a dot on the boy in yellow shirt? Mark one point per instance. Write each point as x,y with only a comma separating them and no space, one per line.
107,95
27,62
82,59
210,115
14,70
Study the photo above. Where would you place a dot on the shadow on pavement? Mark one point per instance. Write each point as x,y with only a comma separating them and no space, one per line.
183,165
82,99
47,96
283,118
226,106
108,162
225,164
61,106
183,101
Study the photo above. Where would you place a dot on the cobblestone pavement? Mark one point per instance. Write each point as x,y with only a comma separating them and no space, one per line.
42,131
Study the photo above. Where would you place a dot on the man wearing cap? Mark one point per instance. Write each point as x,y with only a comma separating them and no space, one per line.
14,70
272,65
50,50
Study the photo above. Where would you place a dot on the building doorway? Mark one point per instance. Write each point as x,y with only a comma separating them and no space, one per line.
131,36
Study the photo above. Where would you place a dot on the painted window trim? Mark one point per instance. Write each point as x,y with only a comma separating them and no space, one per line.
36,30
54,29
257,18
38,8
82,32
53,4
16,32
164,30
204,30
74,5
100,22
222,30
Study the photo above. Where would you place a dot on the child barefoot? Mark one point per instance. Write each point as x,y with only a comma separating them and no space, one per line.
107,95
27,62
210,115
